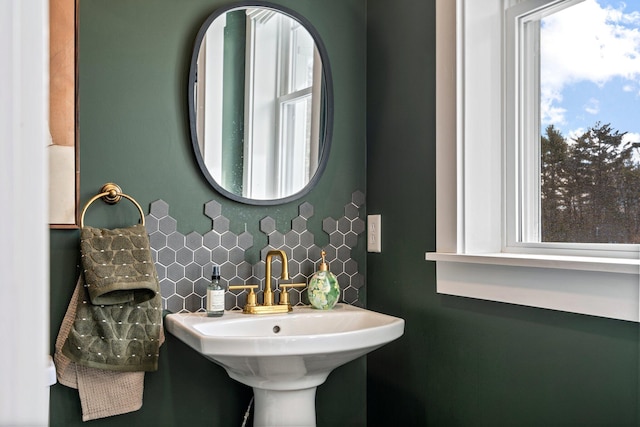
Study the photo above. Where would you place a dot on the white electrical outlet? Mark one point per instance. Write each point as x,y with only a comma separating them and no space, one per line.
374,233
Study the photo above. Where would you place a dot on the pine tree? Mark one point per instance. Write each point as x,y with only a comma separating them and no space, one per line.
553,186
590,187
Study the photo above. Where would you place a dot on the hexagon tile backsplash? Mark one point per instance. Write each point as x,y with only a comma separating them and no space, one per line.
184,263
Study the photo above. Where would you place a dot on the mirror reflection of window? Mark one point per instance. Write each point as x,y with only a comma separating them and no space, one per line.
299,117
276,108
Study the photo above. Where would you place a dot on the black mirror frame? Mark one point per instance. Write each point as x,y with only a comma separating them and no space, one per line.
329,109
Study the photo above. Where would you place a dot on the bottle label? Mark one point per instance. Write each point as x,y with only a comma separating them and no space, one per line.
215,300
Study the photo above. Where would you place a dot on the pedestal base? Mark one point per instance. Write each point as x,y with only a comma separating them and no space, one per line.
293,408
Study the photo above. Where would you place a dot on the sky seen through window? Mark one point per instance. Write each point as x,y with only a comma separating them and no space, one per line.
590,68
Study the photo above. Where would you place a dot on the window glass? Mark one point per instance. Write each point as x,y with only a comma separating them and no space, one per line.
589,103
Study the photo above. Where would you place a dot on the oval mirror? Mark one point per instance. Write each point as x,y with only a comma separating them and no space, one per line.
260,103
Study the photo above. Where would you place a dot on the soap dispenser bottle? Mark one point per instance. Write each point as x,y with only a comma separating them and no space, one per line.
215,295
323,289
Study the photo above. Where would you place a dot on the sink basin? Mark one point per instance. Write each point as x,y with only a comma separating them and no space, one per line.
284,357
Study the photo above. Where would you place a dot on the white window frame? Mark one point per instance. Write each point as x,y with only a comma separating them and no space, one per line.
477,253
293,173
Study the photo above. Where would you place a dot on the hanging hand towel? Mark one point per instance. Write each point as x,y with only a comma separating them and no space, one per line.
102,393
118,320
117,265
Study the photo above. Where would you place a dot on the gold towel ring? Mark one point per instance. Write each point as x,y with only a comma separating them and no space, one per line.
111,194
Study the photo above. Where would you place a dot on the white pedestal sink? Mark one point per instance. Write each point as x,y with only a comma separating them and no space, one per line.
284,357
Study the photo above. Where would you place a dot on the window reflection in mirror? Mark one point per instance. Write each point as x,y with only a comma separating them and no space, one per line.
259,103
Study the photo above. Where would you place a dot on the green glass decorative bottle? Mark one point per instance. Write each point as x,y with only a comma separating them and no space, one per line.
323,289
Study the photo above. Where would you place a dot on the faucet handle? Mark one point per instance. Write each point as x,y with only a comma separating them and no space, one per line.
252,300
284,294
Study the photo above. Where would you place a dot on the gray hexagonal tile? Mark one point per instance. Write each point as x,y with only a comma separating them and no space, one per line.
294,297
294,268
227,270
343,279
193,303
184,255
159,209
259,270
211,239
357,281
351,239
336,239
207,270
350,295
350,267
202,255
158,240
245,240
304,297
230,301
167,225
236,256
161,270
221,224
329,225
184,287
200,286
344,252
154,255
193,240
291,239
229,240
299,253
358,226
175,272
306,239
358,198
299,224
193,271
220,255
307,267
175,303
150,224
167,288
344,225
351,211
314,253
331,252
175,241
213,209
244,270
267,225
305,210
276,239
166,256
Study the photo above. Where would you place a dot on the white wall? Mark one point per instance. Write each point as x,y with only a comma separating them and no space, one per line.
24,237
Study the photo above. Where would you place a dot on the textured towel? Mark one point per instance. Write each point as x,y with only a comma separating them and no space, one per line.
118,317
102,393
117,264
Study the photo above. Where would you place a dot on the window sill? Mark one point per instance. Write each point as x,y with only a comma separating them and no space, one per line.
601,287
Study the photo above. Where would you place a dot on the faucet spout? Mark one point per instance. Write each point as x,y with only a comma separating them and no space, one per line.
268,293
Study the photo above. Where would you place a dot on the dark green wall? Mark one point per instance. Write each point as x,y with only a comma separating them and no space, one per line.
460,362
463,362
133,64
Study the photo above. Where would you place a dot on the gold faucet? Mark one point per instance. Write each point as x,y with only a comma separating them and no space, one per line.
268,294
268,307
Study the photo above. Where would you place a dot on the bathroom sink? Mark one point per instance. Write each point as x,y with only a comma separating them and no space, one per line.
282,353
